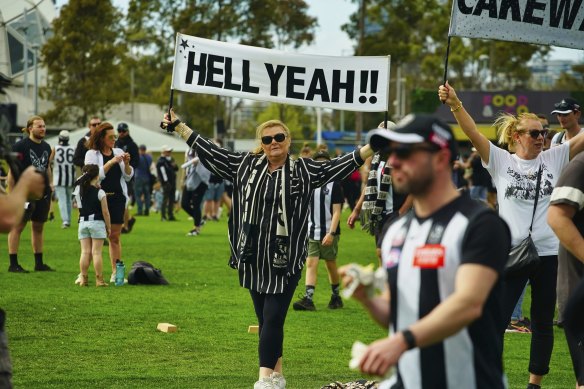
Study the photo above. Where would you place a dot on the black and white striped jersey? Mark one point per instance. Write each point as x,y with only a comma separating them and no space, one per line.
258,273
63,167
422,257
321,207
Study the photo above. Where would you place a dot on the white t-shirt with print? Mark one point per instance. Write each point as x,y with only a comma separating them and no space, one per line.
515,180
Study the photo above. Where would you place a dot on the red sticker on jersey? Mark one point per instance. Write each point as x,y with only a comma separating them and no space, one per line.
430,256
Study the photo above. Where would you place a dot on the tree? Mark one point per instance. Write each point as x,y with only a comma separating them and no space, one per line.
83,60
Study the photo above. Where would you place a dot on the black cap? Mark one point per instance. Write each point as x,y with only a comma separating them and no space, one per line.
565,106
143,147
416,128
321,154
123,127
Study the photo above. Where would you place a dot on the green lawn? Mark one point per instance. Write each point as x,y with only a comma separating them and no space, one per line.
65,336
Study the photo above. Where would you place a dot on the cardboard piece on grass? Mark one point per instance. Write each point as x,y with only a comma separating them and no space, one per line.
253,329
166,327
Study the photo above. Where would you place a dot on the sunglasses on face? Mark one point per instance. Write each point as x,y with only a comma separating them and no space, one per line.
405,151
94,124
536,133
278,138
112,137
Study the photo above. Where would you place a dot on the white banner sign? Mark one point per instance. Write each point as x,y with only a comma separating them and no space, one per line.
227,69
544,22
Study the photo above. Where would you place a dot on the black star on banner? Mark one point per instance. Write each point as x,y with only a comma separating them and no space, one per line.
184,44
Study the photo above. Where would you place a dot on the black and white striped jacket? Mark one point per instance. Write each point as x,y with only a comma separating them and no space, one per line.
307,175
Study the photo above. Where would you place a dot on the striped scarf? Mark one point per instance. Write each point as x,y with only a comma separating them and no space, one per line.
248,237
375,200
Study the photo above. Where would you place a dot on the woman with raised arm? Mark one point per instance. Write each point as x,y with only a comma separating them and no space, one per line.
268,223
515,174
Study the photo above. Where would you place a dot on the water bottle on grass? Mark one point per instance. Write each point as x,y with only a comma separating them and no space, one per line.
120,272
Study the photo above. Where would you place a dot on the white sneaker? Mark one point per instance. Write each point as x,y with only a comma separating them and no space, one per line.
264,383
278,380
79,279
113,277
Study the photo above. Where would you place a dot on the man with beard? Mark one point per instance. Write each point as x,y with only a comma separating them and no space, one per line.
443,271
81,149
33,151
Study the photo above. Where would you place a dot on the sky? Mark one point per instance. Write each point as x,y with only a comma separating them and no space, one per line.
330,40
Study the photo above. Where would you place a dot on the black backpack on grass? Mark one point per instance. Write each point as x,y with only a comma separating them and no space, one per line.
144,273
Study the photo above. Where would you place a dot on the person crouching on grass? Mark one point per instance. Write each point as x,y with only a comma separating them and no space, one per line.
94,223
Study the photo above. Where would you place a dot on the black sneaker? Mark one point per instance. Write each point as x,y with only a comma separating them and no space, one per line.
304,304
43,267
336,302
17,269
131,223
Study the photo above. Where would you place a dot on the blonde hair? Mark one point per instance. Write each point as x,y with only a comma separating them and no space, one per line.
269,124
507,125
30,122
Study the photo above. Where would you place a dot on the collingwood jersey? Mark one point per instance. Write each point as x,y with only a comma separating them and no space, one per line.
63,168
321,206
422,257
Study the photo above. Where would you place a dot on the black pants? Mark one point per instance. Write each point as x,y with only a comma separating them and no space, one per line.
271,310
543,304
167,207
574,329
191,202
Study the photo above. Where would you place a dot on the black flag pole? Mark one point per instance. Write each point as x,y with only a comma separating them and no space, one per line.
169,128
446,64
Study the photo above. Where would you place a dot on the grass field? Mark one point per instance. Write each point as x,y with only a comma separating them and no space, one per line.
65,336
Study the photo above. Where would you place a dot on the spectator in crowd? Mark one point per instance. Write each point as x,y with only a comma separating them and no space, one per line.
114,172
323,240
94,224
127,144
379,205
33,151
195,186
480,178
30,186
568,112
566,218
516,177
268,225
443,271
166,169
81,148
142,182
64,176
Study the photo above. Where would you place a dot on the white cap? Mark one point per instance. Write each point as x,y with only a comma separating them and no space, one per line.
166,148
64,134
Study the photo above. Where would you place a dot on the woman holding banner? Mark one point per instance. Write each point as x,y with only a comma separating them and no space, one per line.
268,223
515,176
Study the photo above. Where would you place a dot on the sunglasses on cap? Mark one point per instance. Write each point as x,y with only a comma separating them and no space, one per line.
536,133
405,151
278,138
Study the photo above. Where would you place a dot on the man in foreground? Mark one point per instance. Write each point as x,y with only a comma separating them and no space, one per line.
443,271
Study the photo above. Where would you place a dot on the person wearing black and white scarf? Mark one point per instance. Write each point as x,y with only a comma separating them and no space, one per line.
268,222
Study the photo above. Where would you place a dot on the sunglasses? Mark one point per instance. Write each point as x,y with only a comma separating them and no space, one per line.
536,133
405,151
278,138
112,137
94,124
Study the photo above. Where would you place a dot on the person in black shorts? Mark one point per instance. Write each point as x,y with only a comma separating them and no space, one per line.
33,151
